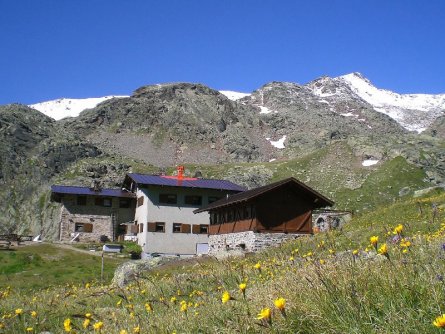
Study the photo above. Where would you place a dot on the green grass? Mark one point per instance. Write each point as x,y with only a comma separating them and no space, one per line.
44,265
327,289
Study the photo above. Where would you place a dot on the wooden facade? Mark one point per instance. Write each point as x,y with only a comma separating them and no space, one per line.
282,207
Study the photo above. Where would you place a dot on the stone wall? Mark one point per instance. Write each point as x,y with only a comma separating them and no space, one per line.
248,241
101,225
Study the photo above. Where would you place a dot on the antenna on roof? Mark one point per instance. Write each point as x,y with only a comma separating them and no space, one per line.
96,186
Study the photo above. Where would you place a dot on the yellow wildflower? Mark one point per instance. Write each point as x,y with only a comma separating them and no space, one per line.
19,311
242,287
280,303
123,331
33,314
383,249
137,329
86,323
398,229
88,315
148,307
355,252
265,313
440,321
183,307
374,240
226,297
173,299
257,265
29,329
322,261
98,325
67,325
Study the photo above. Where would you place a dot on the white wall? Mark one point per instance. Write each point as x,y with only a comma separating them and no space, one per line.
152,211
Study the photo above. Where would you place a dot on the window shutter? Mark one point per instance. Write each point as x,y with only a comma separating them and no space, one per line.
151,227
196,229
134,228
88,227
185,228
141,228
140,200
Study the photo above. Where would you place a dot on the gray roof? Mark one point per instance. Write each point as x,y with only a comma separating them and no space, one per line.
58,189
187,182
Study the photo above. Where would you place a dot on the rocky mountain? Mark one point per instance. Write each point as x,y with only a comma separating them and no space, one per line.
340,135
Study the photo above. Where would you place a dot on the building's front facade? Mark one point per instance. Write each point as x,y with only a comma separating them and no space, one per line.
263,216
164,214
89,215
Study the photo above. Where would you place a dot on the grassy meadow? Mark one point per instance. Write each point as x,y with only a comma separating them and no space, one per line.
383,273
38,266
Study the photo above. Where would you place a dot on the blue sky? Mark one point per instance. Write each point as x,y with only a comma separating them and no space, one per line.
90,48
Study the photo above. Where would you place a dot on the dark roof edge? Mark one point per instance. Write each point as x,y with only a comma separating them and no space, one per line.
252,193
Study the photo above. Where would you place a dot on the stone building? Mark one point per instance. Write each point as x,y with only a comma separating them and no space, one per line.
263,216
93,214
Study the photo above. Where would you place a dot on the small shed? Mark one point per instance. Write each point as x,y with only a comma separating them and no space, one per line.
263,216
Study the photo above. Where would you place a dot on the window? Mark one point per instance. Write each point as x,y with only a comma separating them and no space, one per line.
83,227
141,228
103,201
125,203
156,227
168,198
181,228
212,199
140,200
81,200
201,229
246,212
193,200
160,227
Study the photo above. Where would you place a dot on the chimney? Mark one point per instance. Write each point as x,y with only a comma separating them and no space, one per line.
180,172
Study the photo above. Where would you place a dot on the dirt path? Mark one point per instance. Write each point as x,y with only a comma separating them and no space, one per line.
66,246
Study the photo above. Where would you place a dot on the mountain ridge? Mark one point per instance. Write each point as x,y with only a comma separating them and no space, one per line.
415,112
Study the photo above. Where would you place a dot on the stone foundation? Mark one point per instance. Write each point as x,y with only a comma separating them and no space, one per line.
248,241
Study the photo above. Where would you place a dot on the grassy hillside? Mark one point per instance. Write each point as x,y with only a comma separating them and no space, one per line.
328,283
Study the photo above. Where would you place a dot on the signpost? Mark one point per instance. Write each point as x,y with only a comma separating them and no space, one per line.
108,248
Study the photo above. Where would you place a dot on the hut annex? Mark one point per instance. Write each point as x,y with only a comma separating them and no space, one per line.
263,216
93,214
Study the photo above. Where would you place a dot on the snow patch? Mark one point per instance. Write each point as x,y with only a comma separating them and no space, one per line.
231,95
272,160
415,112
369,162
62,108
265,110
278,143
349,114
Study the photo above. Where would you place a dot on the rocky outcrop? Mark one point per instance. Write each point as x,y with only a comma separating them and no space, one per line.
131,271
